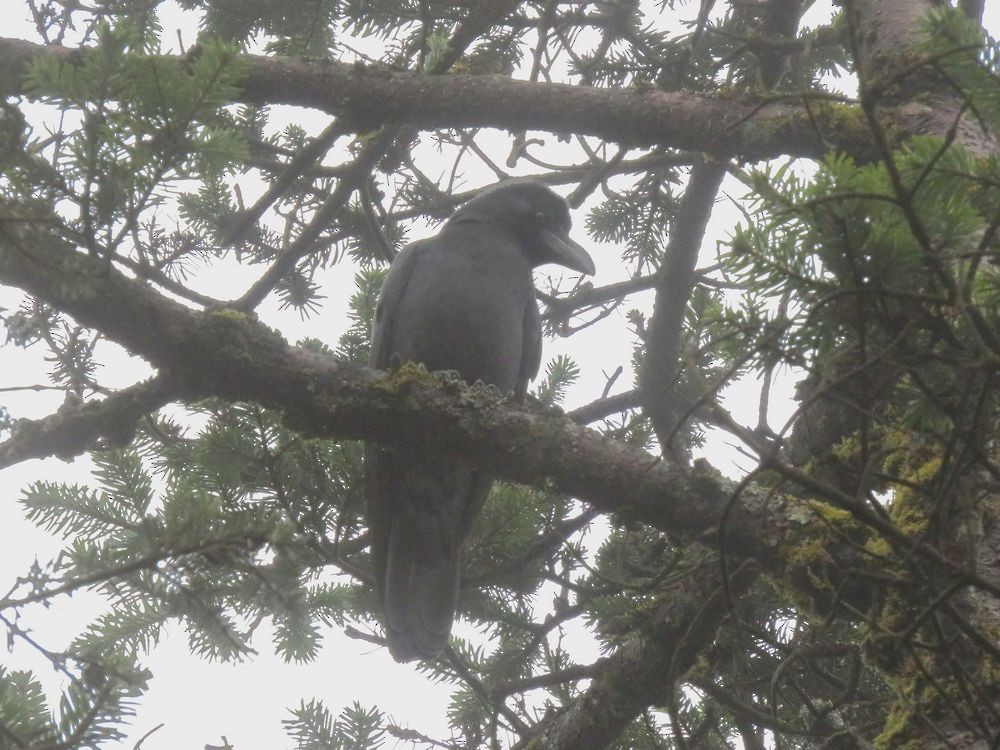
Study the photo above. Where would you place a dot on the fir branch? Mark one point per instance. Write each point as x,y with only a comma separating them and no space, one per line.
364,98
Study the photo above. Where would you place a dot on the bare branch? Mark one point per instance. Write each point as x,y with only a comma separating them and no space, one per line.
675,281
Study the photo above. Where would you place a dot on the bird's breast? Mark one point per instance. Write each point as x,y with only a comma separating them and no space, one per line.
464,320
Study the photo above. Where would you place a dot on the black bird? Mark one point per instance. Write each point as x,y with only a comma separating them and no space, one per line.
463,301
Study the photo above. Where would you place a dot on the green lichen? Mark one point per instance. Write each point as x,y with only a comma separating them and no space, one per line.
730,92
989,669
847,120
846,117
878,546
921,701
234,336
402,378
914,466
909,510
231,314
831,513
897,732
243,327
909,469
808,557
847,449
811,577
405,376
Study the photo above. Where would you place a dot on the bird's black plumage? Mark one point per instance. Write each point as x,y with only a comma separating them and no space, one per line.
464,301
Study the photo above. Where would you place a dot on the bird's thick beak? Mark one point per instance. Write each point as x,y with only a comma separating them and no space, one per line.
566,252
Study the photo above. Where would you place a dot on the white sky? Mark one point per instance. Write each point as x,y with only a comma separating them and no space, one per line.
199,702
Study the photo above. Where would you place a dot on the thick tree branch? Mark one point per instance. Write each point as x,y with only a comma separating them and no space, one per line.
228,354
892,27
885,38
365,97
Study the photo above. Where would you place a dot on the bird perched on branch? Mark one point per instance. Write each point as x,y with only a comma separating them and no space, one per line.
464,301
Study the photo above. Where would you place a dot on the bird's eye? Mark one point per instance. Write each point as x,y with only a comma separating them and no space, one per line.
541,217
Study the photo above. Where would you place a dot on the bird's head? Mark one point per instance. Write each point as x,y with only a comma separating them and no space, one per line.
536,216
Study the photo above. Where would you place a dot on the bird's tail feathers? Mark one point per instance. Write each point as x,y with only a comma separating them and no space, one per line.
421,588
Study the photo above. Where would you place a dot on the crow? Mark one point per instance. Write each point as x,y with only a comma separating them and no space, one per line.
463,301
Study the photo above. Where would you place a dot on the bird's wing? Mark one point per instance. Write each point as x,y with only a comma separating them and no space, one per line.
378,466
393,289
531,348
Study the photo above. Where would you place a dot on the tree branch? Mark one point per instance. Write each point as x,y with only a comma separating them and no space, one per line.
480,18
605,407
561,308
674,283
230,355
365,97
74,428
643,670
357,172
